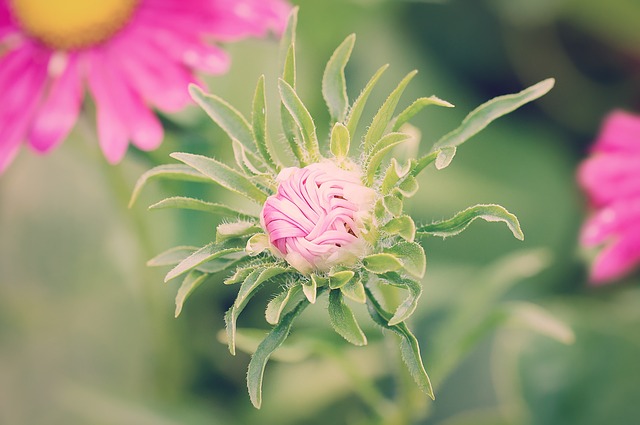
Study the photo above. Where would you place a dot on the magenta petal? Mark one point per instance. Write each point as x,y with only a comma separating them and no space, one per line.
112,131
59,111
620,133
617,259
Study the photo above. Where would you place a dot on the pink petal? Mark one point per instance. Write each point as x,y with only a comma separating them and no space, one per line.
112,131
21,83
617,259
620,133
610,176
59,111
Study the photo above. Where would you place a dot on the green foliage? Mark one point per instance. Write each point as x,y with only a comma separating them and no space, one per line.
394,258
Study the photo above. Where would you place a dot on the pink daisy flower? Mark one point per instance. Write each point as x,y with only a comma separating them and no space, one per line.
611,179
131,55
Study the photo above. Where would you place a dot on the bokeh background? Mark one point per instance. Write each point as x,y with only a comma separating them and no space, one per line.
87,334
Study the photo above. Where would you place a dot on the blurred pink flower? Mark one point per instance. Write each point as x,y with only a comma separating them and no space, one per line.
315,220
611,179
131,54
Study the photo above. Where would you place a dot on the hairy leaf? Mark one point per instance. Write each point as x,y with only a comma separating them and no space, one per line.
277,305
463,219
358,105
416,107
189,284
302,118
203,255
171,171
334,86
343,321
199,205
259,126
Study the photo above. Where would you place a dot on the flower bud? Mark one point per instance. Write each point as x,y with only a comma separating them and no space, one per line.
317,218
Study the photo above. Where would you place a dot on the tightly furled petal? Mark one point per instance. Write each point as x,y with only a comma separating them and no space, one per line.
315,220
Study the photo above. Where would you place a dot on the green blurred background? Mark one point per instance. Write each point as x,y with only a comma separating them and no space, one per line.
87,334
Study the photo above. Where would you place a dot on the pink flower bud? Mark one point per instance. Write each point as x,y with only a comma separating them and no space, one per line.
316,218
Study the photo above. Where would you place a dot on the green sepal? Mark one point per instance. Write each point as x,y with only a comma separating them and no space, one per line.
463,219
225,115
354,290
381,263
392,175
199,205
484,114
339,279
259,126
408,306
393,204
408,187
402,226
374,157
170,171
259,359
277,305
340,141
353,118
223,175
334,86
416,107
408,347
206,253
343,321
238,229
310,289
303,120
189,284
384,114
257,243
253,282
412,257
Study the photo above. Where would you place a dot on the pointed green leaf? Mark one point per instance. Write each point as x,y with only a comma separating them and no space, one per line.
287,40
339,279
172,256
539,320
408,306
226,231
222,263
254,281
171,171
420,164
274,339
277,305
223,175
377,153
412,257
354,290
303,120
343,321
225,115
340,140
334,86
384,114
358,105
189,284
381,263
291,131
247,161
199,205
416,107
402,226
484,114
259,125
204,254
463,219
408,347
240,274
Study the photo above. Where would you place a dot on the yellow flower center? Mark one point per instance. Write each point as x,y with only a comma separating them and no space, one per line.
72,24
